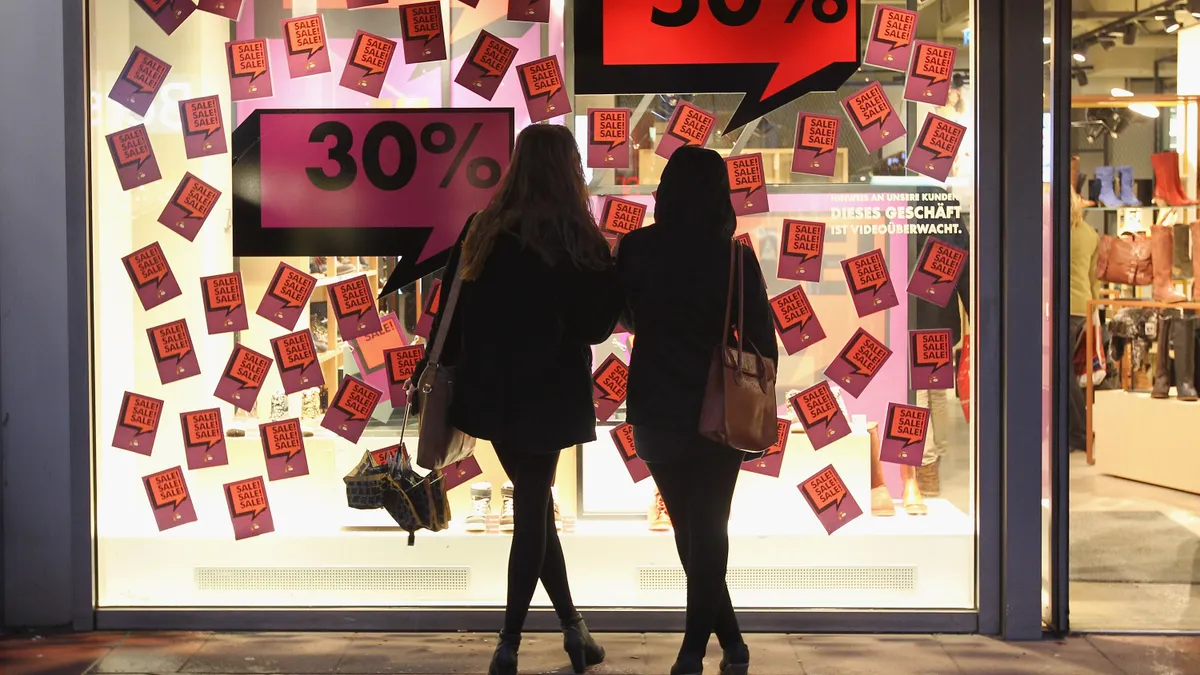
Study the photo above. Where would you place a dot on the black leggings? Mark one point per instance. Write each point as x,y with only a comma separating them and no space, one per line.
536,552
698,491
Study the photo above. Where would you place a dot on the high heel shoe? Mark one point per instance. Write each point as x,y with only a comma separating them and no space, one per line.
736,660
504,659
579,644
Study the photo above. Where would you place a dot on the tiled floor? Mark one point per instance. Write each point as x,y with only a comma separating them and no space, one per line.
630,654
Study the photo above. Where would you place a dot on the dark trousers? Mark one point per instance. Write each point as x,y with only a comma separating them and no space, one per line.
698,490
1077,410
536,552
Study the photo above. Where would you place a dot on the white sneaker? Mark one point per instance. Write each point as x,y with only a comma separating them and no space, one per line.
481,506
506,511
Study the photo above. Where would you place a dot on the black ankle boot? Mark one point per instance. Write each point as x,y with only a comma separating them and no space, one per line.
579,645
504,659
688,664
736,660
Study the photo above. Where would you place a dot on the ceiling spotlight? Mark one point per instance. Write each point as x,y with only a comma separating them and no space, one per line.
1107,44
1046,40
1129,37
1081,57
1170,25
1160,17
1081,77
1120,93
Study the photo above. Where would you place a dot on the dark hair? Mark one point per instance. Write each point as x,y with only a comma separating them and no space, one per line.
542,200
694,191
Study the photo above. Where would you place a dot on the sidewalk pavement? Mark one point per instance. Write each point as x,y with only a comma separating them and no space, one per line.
628,654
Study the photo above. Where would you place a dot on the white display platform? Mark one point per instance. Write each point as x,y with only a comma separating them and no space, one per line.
1147,440
324,554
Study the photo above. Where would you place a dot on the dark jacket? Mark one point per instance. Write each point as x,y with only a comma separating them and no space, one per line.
520,342
674,283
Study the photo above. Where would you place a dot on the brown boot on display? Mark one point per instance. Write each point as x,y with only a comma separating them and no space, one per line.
929,478
914,503
1183,339
881,499
1161,252
1162,360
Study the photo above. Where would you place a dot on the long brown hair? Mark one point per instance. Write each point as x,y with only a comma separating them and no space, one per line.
542,200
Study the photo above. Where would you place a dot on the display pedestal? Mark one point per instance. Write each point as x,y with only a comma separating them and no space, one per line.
1148,440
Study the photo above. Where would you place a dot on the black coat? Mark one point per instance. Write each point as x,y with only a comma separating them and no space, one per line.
520,340
674,282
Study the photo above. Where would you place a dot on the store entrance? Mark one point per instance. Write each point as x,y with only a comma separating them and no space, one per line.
1134,486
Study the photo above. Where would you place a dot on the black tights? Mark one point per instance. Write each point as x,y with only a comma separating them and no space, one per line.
536,552
698,492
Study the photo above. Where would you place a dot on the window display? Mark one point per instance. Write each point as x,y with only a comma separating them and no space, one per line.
293,192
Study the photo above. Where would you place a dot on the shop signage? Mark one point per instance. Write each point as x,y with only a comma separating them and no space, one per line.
773,51
365,182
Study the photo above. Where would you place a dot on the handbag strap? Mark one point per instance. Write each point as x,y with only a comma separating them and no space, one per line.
735,272
447,316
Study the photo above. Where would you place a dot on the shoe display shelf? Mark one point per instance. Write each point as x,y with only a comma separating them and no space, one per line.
1132,435
324,554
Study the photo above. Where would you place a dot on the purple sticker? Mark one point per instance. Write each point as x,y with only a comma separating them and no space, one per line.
137,425
937,272
367,66
904,440
422,32
243,377
930,72
873,117
608,138
133,157
307,48
189,207
486,64
283,449
609,384
224,303
858,363
168,14
830,499
936,148
229,9
151,276
688,125
351,408
870,283
795,321
249,509
299,364
622,437
204,438
203,126
534,11
747,185
771,462
802,250
169,498
931,359
353,303
820,414
249,69
892,34
286,296
173,351
401,365
815,152
139,81
543,87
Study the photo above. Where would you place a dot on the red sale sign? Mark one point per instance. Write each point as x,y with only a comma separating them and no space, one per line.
773,52
365,182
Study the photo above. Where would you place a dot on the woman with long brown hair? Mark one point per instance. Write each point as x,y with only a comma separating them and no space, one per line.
538,289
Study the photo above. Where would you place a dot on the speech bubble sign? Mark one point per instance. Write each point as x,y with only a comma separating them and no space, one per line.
612,379
941,138
791,309
201,116
692,125
291,287
168,488
907,424
247,367
144,71
803,239
865,354
141,413
282,439
869,106
933,62
825,488
147,266
609,127
542,78
352,297
818,133
745,173
248,59
492,55
894,27
223,292
356,399
932,348
621,216
131,147
202,428
171,341
421,21
816,405
372,53
868,272
942,261
305,35
295,351
248,497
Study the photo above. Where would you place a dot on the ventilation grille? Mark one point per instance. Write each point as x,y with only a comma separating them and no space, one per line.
903,579
383,579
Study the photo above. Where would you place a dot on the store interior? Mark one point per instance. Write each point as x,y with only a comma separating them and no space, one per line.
1134,552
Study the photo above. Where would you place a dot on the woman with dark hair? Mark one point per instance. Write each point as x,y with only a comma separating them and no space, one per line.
674,277
537,290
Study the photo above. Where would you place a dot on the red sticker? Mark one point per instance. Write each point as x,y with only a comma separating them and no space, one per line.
621,216
830,499
286,296
169,498
137,426
189,207
203,127
151,275
904,438
224,303
171,344
283,448
248,507
858,363
931,359
820,415
351,408
243,377
747,184
815,153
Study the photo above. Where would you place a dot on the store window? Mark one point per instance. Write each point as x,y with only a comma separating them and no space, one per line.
887,211
1134,493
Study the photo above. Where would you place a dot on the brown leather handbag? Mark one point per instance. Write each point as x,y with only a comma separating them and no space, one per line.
1124,260
439,444
739,399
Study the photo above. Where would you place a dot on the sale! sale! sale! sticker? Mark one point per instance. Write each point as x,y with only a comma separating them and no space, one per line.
151,276
608,138
139,81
